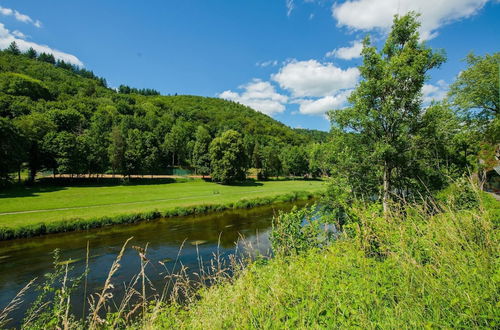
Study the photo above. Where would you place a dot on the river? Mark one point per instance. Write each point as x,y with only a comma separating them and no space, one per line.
200,237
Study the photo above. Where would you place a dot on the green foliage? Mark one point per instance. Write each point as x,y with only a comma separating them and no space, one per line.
477,87
13,49
437,271
12,149
37,90
227,158
23,85
461,195
296,232
294,161
385,108
201,156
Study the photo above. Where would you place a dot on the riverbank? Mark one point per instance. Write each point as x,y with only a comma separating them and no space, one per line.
413,270
45,209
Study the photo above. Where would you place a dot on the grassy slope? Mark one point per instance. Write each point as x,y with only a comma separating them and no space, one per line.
87,202
437,272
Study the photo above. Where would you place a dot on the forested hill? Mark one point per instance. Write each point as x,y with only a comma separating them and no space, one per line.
68,120
60,87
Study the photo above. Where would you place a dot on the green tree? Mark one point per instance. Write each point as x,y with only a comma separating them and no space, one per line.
12,149
151,161
116,150
22,85
34,127
271,163
31,53
385,108
478,87
13,49
201,156
294,161
176,140
320,158
135,152
65,151
228,158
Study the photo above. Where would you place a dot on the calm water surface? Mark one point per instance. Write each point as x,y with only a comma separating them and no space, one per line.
204,235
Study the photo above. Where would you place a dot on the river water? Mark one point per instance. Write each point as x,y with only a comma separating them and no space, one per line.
200,237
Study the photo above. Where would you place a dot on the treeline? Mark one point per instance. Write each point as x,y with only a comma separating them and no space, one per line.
124,89
54,120
49,58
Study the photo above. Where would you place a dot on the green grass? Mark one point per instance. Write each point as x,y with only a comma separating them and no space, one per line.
429,271
26,208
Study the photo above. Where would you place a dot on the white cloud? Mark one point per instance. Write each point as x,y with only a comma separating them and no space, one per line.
347,53
6,37
19,16
259,95
322,105
290,6
267,63
314,79
434,92
18,34
378,14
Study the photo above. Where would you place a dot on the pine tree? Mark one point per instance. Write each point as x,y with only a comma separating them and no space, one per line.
13,49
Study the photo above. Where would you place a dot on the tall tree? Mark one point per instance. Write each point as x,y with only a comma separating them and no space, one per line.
116,150
12,149
385,108
31,53
201,156
294,160
478,86
228,159
175,141
13,48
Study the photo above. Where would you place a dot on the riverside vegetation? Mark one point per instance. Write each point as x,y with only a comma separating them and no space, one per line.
433,264
404,236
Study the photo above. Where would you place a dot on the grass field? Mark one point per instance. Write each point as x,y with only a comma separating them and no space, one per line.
24,206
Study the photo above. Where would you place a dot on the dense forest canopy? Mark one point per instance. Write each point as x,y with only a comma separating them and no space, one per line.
63,118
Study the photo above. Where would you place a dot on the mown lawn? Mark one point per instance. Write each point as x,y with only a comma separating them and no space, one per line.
25,206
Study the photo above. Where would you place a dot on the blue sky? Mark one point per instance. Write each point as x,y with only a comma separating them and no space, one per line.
291,59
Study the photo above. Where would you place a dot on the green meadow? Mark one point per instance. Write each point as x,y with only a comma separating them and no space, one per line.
24,206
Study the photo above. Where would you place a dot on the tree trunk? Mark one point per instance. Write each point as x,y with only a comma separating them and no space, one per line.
19,174
387,188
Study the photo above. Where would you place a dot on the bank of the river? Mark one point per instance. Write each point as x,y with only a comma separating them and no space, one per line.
188,240
26,212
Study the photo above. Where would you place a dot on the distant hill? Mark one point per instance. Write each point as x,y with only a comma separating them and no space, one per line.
71,122
67,87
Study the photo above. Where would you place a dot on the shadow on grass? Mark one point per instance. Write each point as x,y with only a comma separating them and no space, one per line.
45,185
27,191
106,182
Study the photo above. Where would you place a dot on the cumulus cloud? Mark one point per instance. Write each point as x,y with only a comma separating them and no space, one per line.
322,105
314,79
347,53
19,16
259,95
378,14
434,92
6,37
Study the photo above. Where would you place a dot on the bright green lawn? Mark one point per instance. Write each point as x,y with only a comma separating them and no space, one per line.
49,204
